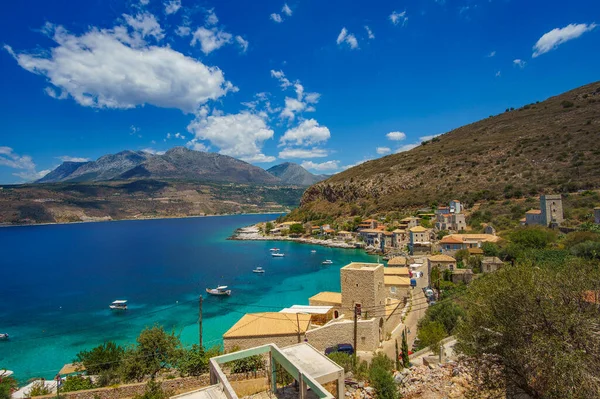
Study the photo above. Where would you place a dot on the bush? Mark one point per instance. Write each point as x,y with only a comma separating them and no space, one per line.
76,383
533,237
153,391
447,313
381,377
430,334
193,362
342,359
490,249
38,389
579,237
587,249
102,358
7,384
567,104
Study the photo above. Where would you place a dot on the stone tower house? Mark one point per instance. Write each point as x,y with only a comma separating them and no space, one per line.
552,209
597,215
363,284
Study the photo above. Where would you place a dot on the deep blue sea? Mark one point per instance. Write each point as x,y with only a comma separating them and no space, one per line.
56,283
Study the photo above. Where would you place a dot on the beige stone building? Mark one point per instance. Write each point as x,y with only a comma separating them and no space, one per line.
327,298
362,285
399,261
462,276
255,329
419,241
490,264
442,262
549,214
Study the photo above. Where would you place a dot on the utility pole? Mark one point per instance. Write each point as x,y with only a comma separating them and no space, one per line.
355,330
200,320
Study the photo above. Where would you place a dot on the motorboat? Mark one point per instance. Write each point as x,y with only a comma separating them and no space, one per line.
258,270
219,291
277,255
314,251
327,262
4,336
274,249
119,304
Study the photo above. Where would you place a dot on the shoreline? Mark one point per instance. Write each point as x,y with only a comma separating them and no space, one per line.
251,233
100,220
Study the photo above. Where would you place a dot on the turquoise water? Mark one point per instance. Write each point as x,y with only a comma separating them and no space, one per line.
58,280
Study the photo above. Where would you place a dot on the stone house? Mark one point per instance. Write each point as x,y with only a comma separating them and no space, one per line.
328,298
344,235
597,215
397,286
256,329
388,239
450,221
462,276
368,224
489,229
549,214
409,222
442,262
399,237
371,237
399,261
419,241
490,264
533,216
454,242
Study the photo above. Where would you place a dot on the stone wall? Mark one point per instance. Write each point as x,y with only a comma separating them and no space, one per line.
395,318
174,386
342,332
251,342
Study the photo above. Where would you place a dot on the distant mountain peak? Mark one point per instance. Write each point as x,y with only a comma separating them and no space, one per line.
292,173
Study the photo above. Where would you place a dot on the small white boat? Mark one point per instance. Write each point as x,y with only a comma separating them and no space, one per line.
274,249
4,336
327,262
277,255
219,291
119,304
314,251
258,270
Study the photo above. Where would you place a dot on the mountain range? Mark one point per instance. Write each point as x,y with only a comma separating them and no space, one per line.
178,163
542,147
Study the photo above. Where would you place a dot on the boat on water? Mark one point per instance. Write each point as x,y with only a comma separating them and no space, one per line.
274,249
314,251
258,270
327,262
119,304
277,255
219,291
4,336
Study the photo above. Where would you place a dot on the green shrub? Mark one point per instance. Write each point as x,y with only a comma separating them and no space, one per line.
38,389
430,334
193,362
342,359
381,378
567,104
153,390
76,383
533,237
7,384
102,358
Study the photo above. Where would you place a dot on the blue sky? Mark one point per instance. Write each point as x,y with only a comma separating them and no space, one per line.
327,84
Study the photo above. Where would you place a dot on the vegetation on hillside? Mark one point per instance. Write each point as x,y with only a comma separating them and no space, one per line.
539,148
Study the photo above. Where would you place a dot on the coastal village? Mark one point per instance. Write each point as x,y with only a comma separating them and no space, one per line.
378,305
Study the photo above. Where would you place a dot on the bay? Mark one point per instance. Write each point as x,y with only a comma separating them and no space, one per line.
56,283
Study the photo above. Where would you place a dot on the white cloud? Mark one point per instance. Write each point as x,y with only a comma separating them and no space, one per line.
211,17
210,39
369,32
134,131
144,2
520,63
396,136
176,135
289,153
491,54
153,151
292,107
312,98
172,6
242,43
238,135
286,10
111,68
349,38
551,40
276,17
327,166
24,163
195,145
66,158
145,24
280,76
398,18
383,150
308,132
183,31
427,138
498,74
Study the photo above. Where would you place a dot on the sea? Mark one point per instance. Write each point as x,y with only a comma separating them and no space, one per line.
57,281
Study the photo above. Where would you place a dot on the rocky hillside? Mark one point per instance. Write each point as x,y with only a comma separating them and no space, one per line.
178,163
549,146
294,174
